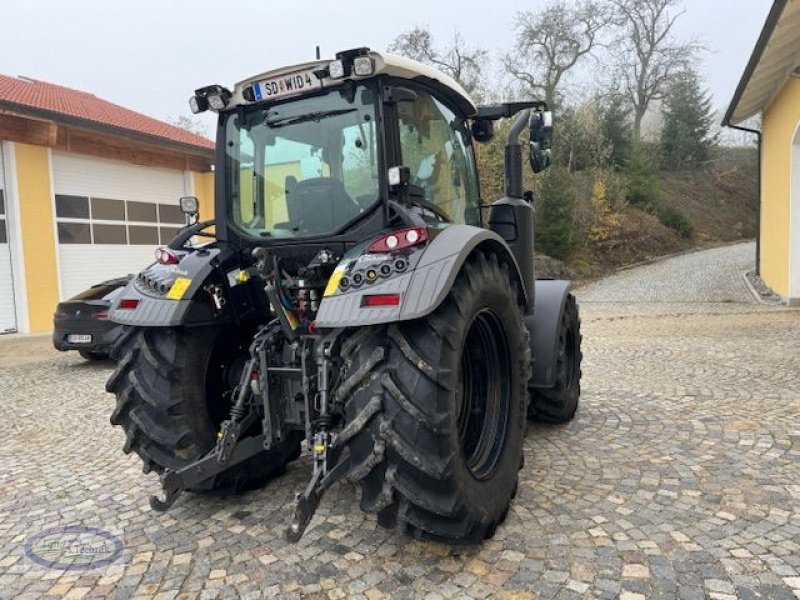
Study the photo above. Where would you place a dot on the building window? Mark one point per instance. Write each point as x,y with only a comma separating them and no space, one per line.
72,207
109,234
108,210
142,211
85,220
74,233
141,235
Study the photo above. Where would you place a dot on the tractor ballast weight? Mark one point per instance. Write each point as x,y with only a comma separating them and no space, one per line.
355,296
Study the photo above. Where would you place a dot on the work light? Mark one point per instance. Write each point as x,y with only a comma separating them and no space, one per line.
336,69
198,104
363,65
217,101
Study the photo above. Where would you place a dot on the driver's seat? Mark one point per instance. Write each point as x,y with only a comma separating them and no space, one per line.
319,205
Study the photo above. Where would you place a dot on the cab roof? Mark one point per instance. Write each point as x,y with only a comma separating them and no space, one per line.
385,64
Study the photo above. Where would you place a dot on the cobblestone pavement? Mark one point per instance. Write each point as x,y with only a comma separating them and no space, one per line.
679,478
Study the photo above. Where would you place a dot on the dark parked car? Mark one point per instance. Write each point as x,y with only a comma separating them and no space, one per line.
81,323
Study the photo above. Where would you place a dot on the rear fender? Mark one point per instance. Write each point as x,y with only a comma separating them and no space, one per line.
543,325
172,295
423,287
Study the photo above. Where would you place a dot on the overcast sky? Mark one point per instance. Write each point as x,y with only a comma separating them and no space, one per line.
150,55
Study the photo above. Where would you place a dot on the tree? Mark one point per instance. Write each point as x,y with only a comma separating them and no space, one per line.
556,235
581,142
648,56
615,119
461,62
686,137
551,41
188,124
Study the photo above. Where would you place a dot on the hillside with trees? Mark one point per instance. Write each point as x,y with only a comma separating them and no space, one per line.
639,170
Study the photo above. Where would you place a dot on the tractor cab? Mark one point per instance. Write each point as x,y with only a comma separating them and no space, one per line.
305,152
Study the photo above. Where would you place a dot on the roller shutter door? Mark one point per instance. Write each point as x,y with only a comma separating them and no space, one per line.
110,217
8,315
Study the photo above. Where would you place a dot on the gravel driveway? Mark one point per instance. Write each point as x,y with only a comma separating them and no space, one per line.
679,477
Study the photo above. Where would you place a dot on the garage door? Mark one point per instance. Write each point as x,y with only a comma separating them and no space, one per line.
110,217
8,316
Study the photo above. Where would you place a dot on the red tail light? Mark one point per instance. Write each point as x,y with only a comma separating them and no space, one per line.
377,300
101,315
128,304
397,240
166,256
59,315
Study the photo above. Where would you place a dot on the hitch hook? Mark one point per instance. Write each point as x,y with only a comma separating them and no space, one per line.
170,482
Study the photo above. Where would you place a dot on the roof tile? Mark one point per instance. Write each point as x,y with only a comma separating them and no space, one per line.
82,105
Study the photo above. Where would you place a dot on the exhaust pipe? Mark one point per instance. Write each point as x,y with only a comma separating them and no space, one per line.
513,156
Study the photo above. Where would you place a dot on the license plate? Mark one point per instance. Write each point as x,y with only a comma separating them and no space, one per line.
79,338
286,85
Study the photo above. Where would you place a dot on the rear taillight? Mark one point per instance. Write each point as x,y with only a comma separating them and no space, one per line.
166,256
128,304
377,300
59,315
397,240
101,315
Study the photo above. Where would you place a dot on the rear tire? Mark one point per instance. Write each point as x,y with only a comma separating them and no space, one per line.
169,385
435,409
559,403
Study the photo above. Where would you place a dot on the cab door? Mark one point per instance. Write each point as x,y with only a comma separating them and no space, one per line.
436,146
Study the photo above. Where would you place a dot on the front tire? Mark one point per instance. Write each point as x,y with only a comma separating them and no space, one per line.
559,403
169,384
435,409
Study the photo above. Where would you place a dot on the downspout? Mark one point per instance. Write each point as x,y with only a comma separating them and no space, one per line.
758,134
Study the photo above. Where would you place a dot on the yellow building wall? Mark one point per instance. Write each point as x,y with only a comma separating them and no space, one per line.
38,239
204,190
781,119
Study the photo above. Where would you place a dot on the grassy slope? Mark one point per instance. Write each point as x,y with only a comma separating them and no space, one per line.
721,200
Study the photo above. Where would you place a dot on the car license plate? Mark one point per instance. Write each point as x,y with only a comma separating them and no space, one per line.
286,85
79,338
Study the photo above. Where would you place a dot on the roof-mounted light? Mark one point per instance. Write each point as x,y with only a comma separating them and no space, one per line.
363,66
198,104
336,69
214,97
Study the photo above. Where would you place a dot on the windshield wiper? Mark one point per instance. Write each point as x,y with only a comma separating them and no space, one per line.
314,116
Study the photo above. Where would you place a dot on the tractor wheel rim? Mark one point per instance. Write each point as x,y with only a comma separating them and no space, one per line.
484,392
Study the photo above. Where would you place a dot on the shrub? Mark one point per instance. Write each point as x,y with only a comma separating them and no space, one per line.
674,218
556,234
605,220
641,184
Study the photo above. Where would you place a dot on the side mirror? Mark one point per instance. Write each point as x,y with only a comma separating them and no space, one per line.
190,206
540,125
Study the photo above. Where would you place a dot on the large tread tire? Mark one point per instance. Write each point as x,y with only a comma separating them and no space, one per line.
161,385
560,403
403,387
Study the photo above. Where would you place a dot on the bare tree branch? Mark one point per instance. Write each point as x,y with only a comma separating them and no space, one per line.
647,55
550,42
461,62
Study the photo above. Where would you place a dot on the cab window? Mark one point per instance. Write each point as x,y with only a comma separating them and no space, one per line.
435,146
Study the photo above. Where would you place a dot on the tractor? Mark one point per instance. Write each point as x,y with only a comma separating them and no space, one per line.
355,297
